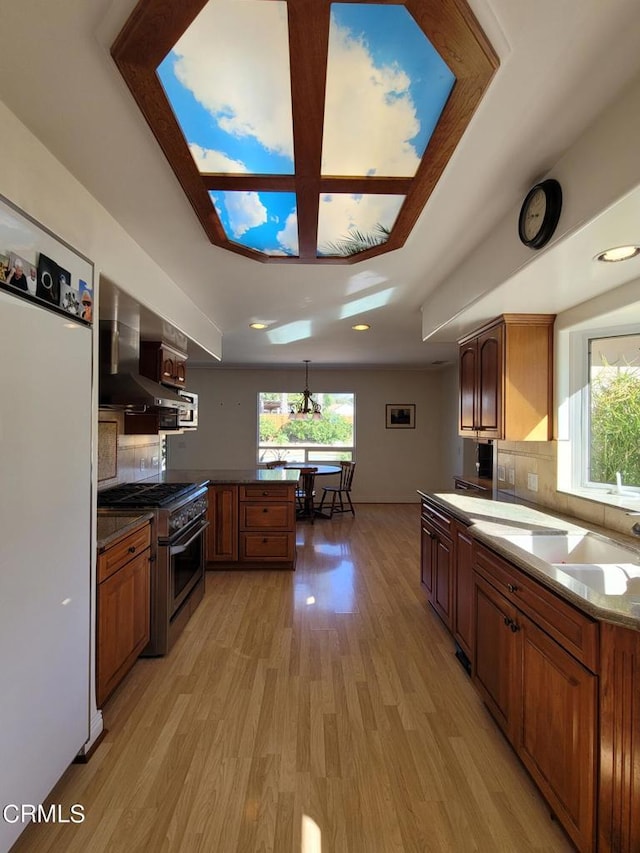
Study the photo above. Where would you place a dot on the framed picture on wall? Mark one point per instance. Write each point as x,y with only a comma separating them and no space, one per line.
400,416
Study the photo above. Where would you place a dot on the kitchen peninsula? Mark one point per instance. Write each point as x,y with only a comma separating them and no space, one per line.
547,611
252,515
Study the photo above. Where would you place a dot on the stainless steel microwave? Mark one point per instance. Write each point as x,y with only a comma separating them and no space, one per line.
188,416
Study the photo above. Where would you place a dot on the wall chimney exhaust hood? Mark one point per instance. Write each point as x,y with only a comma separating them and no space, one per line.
121,385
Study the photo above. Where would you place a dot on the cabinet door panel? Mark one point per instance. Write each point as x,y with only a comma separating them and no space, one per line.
558,730
222,533
467,354
495,669
427,545
489,403
443,571
463,596
123,623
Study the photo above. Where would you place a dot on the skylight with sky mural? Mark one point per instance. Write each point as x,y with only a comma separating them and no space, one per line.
307,131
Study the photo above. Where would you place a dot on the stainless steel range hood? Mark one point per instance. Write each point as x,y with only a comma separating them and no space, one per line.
121,385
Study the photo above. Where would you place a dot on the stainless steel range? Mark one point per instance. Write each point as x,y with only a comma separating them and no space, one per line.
177,551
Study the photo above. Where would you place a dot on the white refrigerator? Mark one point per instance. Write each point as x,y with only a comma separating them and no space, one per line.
45,551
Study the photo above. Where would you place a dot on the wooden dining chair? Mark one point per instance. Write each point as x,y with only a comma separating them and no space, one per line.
305,493
277,463
337,492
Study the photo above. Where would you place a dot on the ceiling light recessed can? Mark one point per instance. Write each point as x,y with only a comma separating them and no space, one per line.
257,325
619,253
361,327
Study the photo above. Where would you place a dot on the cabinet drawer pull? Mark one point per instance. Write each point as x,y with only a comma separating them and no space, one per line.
132,549
512,587
265,540
507,621
266,509
514,627
265,492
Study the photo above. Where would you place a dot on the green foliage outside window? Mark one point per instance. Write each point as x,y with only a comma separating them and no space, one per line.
330,429
615,427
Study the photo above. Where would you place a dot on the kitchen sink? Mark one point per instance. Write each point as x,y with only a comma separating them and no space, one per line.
608,579
600,564
574,548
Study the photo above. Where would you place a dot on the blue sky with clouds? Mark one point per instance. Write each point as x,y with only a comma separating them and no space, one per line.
229,89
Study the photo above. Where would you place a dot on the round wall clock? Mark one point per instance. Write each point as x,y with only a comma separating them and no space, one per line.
540,213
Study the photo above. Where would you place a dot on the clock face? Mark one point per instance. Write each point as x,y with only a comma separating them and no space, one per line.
540,213
534,215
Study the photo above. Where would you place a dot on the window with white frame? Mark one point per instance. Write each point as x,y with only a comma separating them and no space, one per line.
611,415
288,437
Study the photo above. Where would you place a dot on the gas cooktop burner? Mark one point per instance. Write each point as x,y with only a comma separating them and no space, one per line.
143,494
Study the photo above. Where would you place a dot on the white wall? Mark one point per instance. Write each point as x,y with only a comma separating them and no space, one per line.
391,463
452,447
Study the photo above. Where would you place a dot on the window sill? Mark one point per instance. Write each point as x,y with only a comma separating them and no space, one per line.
625,502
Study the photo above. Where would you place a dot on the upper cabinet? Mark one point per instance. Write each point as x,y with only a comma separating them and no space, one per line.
163,363
506,373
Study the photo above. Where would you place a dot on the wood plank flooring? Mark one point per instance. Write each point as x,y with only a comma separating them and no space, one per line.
319,711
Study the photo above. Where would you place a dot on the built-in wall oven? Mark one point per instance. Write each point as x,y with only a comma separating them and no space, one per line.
177,551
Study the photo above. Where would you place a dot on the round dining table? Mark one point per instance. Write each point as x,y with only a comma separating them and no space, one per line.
307,479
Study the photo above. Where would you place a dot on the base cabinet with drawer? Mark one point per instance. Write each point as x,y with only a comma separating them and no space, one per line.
123,608
564,687
252,526
437,559
541,689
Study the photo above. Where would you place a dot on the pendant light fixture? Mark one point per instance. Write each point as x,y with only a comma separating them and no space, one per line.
307,405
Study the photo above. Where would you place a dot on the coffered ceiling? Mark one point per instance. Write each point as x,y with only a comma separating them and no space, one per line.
560,64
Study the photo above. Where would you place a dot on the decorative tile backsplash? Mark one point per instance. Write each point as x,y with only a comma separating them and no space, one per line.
137,457
519,460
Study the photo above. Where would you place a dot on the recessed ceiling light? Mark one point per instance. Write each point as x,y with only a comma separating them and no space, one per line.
620,253
257,325
361,327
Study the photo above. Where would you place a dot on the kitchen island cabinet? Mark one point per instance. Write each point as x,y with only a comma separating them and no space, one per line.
222,514
251,514
123,599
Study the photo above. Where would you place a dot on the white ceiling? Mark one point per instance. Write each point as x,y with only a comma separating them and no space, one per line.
561,63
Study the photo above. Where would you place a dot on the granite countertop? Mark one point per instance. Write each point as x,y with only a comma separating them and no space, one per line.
115,523
491,521
233,475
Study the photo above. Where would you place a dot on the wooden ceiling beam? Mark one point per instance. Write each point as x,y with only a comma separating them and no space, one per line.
308,47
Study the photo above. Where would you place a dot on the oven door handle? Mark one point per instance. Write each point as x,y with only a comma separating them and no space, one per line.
178,549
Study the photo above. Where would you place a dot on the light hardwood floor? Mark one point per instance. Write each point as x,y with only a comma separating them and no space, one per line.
315,711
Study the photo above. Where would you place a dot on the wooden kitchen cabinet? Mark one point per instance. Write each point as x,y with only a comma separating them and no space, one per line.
252,526
539,693
123,608
496,656
556,738
222,514
481,486
463,590
163,363
619,711
437,559
505,374
427,538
